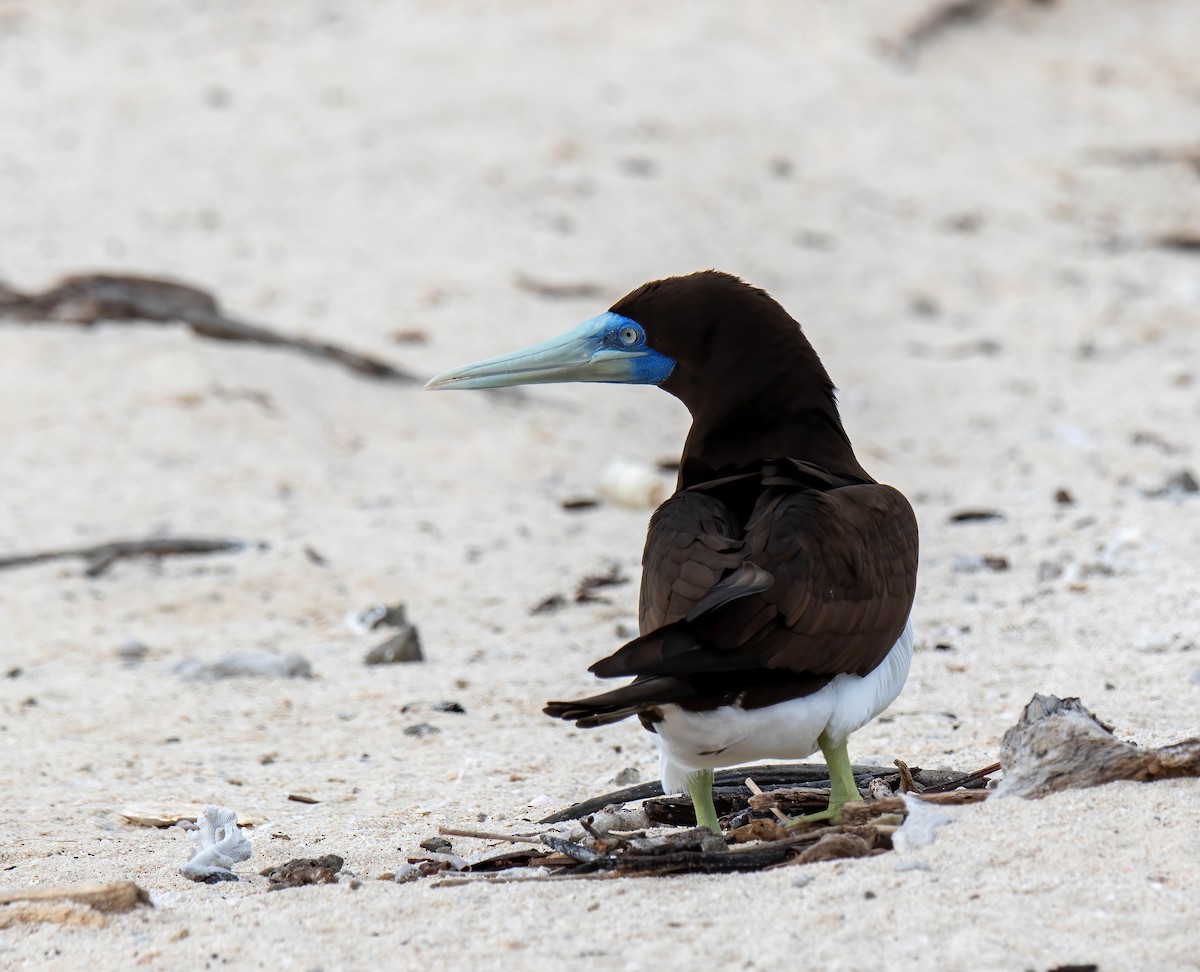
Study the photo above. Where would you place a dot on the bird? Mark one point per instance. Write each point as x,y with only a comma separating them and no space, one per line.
778,579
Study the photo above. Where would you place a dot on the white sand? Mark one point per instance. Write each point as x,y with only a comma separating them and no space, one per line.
347,170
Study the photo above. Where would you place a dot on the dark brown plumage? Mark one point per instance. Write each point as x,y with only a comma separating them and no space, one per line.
778,563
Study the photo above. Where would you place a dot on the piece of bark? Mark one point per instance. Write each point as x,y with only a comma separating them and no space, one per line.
86,298
833,846
112,897
1059,745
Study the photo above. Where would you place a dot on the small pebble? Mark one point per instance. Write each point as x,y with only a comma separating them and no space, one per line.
131,650
437,844
421,730
400,648
802,880
627,777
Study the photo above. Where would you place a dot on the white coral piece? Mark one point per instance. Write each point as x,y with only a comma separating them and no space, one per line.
221,845
921,827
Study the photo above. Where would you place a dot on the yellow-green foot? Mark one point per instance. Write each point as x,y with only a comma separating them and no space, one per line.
842,788
699,787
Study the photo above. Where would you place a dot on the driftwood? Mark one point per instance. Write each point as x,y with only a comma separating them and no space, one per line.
84,904
87,298
787,774
808,794
102,556
1059,745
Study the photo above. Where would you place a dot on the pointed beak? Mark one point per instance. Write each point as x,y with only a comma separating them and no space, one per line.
584,353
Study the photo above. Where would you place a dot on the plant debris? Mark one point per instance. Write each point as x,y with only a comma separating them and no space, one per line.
555,602
614,842
102,556
1180,483
1182,241
585,590
973,563
558,291
976,516
938,21
87,298
304,870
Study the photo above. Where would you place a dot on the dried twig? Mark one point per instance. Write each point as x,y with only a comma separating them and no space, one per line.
87,298
488,835
971,780
755,790
907,783
585,590
867,811
938,21
102,556
558,291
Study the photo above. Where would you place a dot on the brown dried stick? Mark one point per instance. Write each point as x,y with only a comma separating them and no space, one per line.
87,298
102,556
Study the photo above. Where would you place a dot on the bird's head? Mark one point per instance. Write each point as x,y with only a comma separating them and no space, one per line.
727,350
690,335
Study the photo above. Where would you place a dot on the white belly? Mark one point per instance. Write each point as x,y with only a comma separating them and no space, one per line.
689,741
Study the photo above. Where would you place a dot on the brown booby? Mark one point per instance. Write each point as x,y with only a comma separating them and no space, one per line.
778,579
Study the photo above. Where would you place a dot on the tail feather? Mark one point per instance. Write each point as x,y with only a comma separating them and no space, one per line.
609,707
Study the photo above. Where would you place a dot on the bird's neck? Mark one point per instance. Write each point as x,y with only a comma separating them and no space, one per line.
726,438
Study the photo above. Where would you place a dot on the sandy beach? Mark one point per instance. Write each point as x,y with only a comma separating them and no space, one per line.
990,231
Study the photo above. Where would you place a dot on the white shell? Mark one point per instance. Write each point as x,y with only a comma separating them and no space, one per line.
633,484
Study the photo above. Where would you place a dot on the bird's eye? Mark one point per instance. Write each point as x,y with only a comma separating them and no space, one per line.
629,335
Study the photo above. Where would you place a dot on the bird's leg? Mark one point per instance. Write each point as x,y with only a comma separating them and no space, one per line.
699,787
842,788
